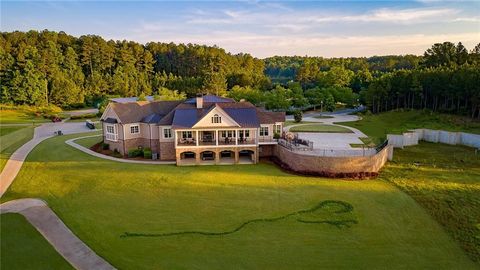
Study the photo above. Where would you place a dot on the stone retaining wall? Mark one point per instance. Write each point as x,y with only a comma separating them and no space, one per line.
333,166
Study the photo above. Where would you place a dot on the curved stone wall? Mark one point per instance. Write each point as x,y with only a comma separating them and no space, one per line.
332,166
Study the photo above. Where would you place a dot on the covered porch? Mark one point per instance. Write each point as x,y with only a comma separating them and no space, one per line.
220,137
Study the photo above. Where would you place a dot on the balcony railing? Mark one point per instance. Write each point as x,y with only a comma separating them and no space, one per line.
266,139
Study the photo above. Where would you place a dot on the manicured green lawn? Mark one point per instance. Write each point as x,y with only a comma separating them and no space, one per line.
89,142
445,180
19,117
12,141
290,122
23,247
4,130
395,122
103,200
320,128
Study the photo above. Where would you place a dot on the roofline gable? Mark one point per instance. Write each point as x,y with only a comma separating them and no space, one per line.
110,107
224,113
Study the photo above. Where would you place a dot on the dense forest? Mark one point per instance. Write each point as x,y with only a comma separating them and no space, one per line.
45,68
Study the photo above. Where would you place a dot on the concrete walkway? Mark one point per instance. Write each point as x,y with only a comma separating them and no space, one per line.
77,253
72,143
14,164
41,133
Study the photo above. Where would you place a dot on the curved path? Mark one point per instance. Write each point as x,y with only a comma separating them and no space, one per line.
36,211
45,131
72,143
15,162
77,253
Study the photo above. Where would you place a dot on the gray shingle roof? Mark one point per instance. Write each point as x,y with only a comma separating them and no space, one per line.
135,112
186,115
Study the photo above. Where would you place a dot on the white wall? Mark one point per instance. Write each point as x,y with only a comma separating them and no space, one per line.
436,136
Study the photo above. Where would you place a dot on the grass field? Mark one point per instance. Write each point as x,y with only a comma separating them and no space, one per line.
12,141
321,128
23,247
445,180
19,117
395,122
290,122
4,130
136,215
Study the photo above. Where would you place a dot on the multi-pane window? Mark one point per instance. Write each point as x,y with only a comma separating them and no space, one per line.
228,133
134,129
110,129
278,129
244,133
167,133
263,131
216,119
187,135
111,133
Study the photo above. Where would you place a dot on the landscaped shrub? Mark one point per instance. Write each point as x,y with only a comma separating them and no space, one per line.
297,116
105,146
276,135
147,153
135,153
116,153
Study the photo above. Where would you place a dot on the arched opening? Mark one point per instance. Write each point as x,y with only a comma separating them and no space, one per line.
187,156
246,156
227,157
207,156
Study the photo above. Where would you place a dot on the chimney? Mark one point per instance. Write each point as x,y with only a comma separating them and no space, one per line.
199,101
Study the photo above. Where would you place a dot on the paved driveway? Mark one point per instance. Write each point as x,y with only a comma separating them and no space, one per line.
48,129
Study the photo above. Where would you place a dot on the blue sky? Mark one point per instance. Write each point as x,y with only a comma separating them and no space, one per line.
317,28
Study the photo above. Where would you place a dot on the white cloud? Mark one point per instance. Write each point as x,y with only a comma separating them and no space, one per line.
404,16
312,44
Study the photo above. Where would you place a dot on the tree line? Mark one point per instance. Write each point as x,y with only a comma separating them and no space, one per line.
446,79
42,68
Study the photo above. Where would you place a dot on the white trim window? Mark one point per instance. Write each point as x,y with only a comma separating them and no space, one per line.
216,119
134,129
278,129
187,135
167,133
244,133
263,131
228,133
111,133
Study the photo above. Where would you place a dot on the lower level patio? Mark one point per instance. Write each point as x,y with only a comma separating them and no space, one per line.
216,156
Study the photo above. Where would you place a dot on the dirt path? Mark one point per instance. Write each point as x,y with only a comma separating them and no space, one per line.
67,244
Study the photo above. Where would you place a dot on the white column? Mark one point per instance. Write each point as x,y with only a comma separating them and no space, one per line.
216,137
175,138
196,137
236,136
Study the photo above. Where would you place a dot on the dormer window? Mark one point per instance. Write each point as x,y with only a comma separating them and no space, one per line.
216,119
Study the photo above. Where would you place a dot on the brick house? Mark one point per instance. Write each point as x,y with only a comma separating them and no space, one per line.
202,130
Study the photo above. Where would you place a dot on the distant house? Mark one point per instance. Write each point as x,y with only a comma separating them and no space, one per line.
202,130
